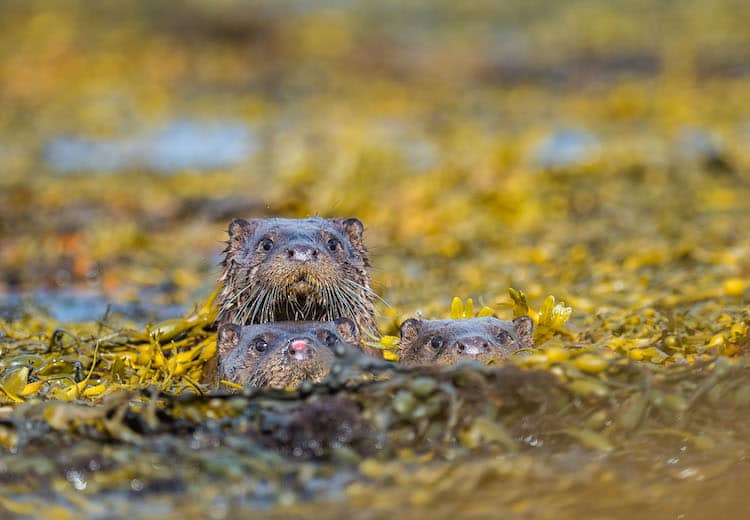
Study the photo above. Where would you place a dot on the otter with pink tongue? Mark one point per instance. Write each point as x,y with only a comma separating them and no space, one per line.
280,354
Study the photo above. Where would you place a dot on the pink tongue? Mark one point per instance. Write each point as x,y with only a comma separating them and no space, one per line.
299,344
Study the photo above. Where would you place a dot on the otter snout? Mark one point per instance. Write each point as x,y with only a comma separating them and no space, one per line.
474,346
301,349
301,253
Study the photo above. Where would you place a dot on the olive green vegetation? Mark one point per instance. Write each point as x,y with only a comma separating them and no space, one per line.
596,152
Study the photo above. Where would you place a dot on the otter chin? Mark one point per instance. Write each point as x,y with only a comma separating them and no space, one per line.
280,269
302,287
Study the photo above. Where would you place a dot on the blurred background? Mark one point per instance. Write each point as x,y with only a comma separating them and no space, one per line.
595,150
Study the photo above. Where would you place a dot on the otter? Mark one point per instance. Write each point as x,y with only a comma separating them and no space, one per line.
281,269
281,354
446,342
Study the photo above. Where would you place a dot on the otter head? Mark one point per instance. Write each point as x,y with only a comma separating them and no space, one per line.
294,269
446,342
282,354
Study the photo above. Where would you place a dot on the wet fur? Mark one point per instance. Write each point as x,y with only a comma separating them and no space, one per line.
503,338
263,287
239,362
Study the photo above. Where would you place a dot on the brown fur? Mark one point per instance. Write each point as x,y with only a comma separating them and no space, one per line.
282,269
262,356
446,342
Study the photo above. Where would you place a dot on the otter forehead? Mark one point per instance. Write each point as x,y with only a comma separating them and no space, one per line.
471,326
285,329
292,228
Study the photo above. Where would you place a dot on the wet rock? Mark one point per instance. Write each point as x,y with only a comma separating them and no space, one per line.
318,428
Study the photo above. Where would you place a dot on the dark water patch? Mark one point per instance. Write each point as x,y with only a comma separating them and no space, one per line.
727,64
11,307
231,22
219,209
181,145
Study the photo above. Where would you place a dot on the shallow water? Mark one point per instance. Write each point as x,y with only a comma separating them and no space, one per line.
179,146
72,306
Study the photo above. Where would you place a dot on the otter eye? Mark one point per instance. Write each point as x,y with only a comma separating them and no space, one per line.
261,345
266,244
331,339
333,244
503,336
436,342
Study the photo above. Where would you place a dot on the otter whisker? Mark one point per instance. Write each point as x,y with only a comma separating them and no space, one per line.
308,306
258,304
246,273
261,297
352,292
335,304
236,297
271,305
366,290
332,303
261,311
346,301
243,309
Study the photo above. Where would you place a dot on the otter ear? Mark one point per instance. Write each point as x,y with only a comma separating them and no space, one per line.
228,337
525,328
239,231
355,230
348,330
410,330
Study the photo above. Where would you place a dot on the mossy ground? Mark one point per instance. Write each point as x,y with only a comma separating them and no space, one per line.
595,152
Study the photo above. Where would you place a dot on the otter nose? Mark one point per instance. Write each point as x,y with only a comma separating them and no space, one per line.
300,348
472,346
301,253
299,344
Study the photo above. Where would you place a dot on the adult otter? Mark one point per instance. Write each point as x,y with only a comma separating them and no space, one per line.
446,342
281,269
280,354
